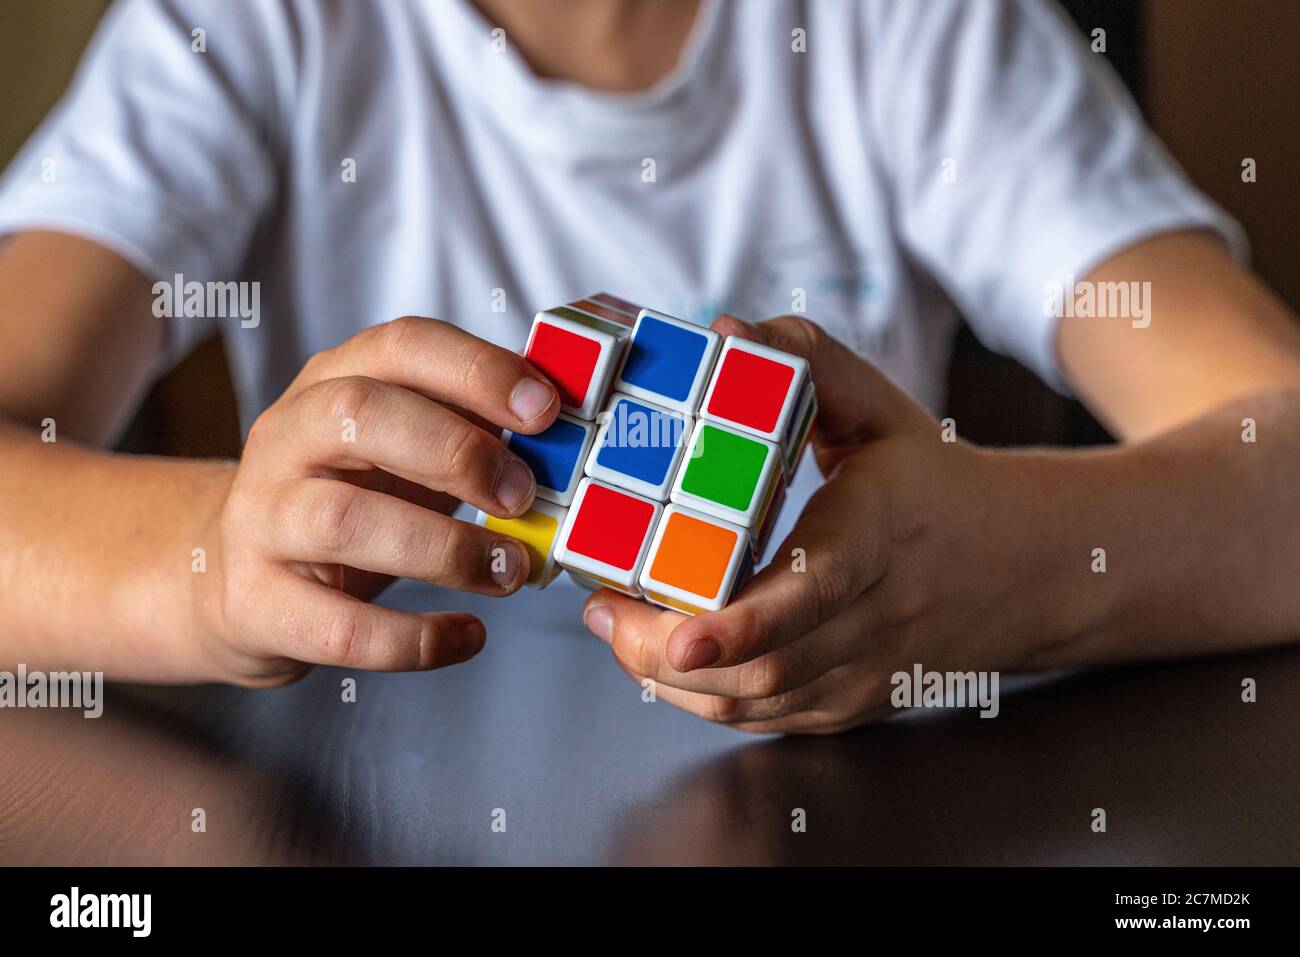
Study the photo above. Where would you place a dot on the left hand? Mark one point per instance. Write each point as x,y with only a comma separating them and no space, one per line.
915,550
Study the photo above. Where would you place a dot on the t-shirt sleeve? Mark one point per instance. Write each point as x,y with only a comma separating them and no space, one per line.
1018,161
163,147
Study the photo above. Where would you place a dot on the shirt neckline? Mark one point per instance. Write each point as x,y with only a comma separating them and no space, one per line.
571,121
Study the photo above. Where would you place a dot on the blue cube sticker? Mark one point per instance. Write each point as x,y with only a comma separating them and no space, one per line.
664,358
553,455
641,441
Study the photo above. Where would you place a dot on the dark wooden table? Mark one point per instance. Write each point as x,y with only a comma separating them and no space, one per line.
544,726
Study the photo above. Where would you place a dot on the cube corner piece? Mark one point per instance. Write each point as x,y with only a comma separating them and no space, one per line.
697,562
756,389
606,535
538,529
607,306
669,361
579,353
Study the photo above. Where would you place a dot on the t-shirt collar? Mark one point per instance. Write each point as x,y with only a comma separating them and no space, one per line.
572,122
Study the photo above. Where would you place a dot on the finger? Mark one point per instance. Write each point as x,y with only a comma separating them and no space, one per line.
356,422
786,600
724,709
855,400
321,520
307,621
638,634
446,364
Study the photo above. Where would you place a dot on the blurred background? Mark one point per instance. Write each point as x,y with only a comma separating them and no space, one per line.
1216,79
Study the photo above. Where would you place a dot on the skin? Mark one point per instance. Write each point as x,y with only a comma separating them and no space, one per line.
917,549
961,558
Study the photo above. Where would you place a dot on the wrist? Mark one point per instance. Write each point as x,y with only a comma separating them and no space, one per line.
1059,597
199,546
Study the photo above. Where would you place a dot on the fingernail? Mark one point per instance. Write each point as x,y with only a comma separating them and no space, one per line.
505,560
600,621
514,485
530,399
471,641
701,654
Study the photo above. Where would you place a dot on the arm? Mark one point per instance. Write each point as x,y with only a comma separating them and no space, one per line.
92,540
96,566
1204,519
958,558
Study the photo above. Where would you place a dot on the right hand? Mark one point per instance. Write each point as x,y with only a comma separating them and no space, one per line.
346,481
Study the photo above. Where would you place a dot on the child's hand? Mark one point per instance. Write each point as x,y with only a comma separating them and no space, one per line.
904,565
344,482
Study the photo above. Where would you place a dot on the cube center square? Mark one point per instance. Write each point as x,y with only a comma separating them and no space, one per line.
607,533
639,447
727,474
556,456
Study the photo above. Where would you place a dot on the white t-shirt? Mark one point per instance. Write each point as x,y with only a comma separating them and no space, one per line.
890,159
916,151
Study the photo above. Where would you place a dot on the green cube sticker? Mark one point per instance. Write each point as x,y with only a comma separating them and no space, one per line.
724,467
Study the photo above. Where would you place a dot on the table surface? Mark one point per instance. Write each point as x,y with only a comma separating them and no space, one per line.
546,728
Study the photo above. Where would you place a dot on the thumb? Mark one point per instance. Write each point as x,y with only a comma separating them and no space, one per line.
856,401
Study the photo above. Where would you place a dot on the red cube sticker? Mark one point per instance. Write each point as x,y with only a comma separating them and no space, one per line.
566,358
610,527
750,390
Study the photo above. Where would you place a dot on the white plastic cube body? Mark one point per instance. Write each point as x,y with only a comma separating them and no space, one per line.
800,427
639,446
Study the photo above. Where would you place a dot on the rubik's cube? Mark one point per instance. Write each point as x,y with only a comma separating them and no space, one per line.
664,473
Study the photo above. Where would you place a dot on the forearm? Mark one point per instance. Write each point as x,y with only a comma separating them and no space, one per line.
1200,536
97,558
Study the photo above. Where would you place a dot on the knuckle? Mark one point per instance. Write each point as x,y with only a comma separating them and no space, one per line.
767,677
312,369
340,637
831,584
721,709
350,397
905,603
476,368
449,553
397,335
259,432
463,450
644,653
746,629
806,336
330,517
